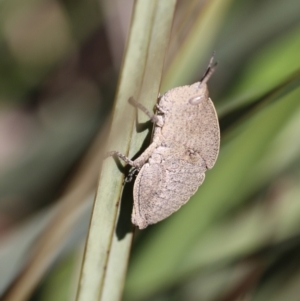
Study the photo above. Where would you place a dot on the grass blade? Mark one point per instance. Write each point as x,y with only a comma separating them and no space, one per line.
106,253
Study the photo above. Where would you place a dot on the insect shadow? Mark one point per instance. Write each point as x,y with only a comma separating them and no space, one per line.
124,224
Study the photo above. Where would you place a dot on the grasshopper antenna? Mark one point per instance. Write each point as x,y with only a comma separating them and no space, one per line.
210,69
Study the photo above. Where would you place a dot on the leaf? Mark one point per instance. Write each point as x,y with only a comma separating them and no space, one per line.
273,65
107,251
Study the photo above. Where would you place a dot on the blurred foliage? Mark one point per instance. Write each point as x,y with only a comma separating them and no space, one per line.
238,237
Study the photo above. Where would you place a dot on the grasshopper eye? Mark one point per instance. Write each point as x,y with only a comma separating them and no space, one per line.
195,100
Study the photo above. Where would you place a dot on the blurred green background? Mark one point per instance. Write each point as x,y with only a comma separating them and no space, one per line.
238,237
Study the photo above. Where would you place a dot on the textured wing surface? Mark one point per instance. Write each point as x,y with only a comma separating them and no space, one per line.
161,189
194,126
